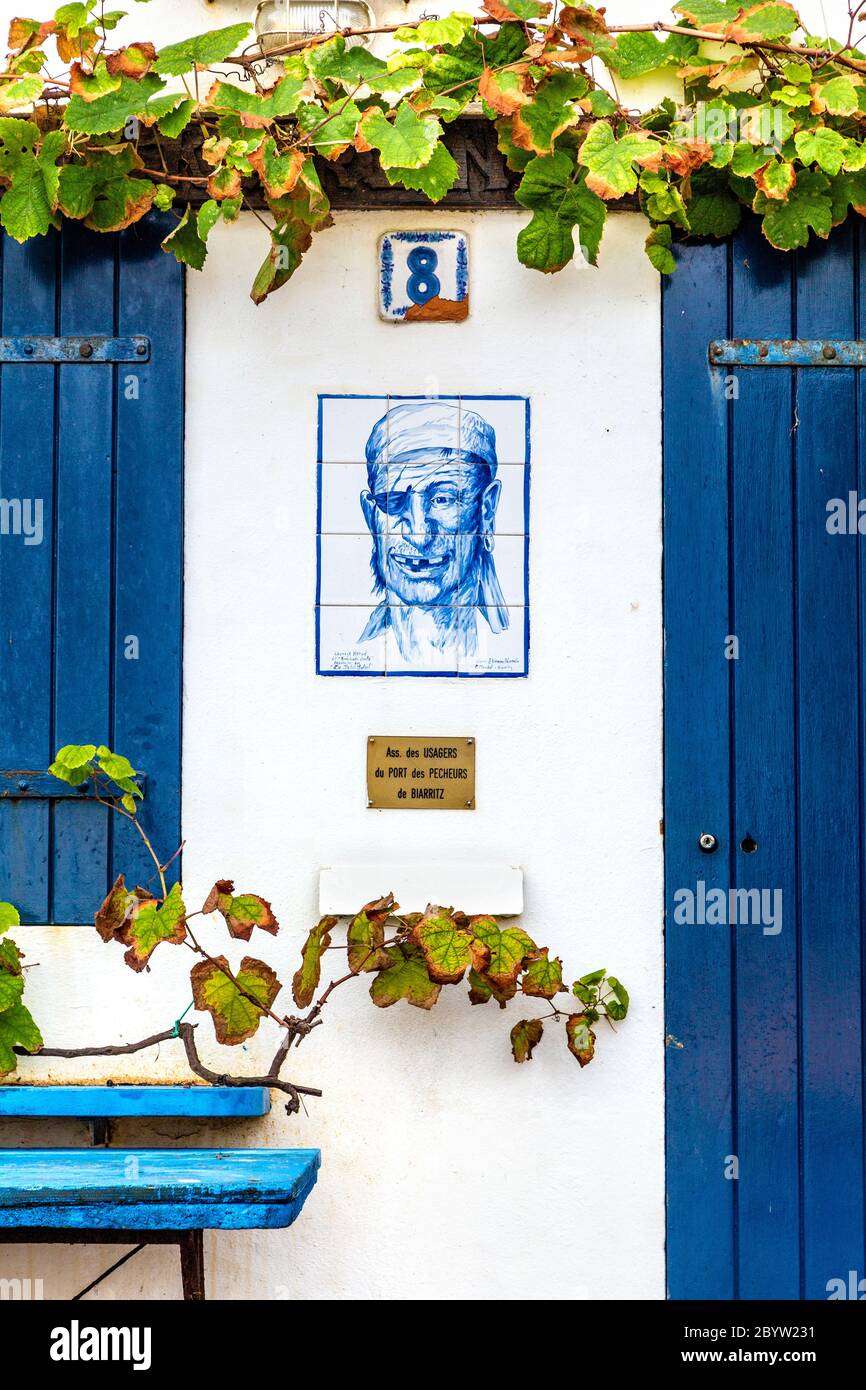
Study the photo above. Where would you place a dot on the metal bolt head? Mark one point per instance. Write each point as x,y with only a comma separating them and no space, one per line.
28,349
85,350
23,785
763,350
141,350
828,352
708,843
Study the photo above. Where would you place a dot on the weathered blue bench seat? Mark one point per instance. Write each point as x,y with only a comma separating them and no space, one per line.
146,1196
154,1189
146,1102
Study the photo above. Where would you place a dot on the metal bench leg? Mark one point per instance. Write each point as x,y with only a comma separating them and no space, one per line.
192,1266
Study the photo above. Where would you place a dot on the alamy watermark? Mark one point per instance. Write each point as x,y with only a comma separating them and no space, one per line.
729,907
22,516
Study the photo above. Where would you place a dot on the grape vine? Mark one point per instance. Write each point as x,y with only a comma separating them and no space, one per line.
767,117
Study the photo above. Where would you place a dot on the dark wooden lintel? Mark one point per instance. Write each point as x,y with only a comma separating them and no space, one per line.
356,182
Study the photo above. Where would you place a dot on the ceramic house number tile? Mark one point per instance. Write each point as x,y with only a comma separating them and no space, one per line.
423,277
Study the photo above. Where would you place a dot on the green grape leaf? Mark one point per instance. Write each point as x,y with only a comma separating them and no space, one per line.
610,162
508,949
282,100
581,1039
21,93
448,948
102,193
617,1008
306,979
329,131
11,989
543,977
332,61
10,957
636,54
846,191
406,978
178,58
236,1017
151,925
450,29
164,197
776,179
838,96
184,242
560,201
112,111
714,212
17,1029
366,934
243,911
658,248
9,917
709,14
525,1037
73,763
407,142
776,20
786,225
438,175
173,122
27,206
822,146
551,111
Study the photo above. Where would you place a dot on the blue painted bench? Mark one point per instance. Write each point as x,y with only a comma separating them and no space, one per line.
146,1196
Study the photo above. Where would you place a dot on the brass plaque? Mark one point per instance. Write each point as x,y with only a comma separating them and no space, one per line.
420,774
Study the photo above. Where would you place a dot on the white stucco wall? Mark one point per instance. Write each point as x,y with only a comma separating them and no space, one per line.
446,1169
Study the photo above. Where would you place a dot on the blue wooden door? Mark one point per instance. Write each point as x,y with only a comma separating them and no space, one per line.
765,610
90,561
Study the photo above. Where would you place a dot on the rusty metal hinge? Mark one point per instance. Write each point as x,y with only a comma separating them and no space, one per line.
87,349
787,352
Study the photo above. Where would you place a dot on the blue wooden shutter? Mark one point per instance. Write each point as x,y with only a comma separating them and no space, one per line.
765,1039
102,446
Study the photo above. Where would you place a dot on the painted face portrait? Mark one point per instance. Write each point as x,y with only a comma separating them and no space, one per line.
430,506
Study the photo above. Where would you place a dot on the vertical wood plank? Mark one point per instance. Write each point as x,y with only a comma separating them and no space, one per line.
83,566
829,785
27,413
763,725
700,1238
149,573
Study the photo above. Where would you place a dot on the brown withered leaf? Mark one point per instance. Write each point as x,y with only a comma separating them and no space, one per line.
306,978
224,183
688,155
366,935
525,1036
482,988
505,91
543,977
133,61
503,14
118,909
242,912
581,1039
26,33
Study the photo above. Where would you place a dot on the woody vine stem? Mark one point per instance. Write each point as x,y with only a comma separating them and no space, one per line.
763,117
408,957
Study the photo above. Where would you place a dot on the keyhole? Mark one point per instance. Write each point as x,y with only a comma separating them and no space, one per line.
748,845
